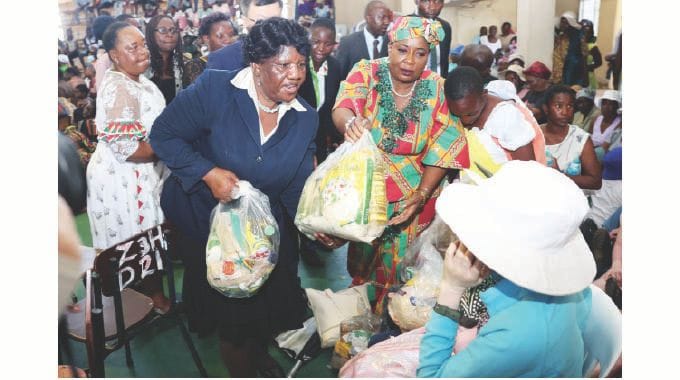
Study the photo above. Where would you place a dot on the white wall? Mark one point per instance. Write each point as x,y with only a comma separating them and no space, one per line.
535,25
562,6
466,21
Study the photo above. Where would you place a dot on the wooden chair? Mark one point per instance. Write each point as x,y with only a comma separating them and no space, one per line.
112,313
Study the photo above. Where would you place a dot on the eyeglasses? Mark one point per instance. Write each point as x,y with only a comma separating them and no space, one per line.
164,30
286,67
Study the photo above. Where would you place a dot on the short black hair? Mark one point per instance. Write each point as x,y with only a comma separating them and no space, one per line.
478,56
267,37
82,88
213,18
73,70
111,35
245,4
372,4
124,16
324,22
100,24
462,81
557,89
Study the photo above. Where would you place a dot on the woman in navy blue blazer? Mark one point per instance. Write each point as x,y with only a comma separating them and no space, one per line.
249,125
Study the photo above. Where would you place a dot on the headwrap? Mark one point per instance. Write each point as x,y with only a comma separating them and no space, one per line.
586,93
405,27
538,69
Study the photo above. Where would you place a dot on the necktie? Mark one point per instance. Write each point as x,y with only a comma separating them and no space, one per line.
376,53
433,58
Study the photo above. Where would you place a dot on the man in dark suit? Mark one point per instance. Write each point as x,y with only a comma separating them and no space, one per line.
439,56
322,83
230,57
370,43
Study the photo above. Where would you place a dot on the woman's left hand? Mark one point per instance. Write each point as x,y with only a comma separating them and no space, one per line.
412,207
330,241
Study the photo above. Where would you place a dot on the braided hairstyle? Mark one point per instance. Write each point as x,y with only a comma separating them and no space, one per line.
154,50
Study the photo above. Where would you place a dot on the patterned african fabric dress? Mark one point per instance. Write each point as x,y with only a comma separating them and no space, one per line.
423,133
592,80
559,54
123,198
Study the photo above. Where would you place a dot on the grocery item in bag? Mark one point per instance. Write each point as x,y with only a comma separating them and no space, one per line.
411,305
243,245
345,196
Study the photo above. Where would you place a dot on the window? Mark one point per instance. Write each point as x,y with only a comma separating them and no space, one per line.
590,10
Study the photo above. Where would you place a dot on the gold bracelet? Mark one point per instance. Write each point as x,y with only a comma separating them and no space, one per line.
423,194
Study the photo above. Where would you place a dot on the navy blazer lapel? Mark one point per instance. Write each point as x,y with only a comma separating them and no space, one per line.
284,126
248,113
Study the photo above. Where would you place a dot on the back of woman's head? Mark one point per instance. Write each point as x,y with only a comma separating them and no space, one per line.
267,37
557,89
111,35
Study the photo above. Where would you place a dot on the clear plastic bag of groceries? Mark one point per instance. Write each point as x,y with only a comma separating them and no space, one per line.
410,306
243,245
345,196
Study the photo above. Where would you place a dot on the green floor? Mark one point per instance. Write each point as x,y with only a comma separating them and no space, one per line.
161,351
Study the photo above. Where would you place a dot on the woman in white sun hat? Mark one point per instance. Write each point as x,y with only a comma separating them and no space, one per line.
570,52
521,229
608,123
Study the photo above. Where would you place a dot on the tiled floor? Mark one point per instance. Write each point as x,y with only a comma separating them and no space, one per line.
161,352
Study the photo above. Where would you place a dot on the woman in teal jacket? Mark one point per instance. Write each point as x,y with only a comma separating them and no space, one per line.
527,243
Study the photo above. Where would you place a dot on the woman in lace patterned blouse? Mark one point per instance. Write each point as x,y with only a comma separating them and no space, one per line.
123,177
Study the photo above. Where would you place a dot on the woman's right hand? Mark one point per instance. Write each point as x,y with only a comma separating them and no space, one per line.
354,131
221,182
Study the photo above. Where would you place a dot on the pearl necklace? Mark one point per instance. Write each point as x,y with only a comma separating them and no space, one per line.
265,108
407,95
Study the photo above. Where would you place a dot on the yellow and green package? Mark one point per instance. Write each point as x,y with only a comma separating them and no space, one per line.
345,196
243,244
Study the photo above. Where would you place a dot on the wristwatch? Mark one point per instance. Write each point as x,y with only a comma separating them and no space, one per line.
446,311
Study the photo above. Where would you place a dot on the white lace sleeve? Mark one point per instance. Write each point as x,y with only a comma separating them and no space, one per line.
122,128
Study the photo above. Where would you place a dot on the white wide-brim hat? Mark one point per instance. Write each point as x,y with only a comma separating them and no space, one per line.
515,68
524,223
571,19
609,95
515,56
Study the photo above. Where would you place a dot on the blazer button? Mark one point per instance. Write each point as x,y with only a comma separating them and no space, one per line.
259,159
